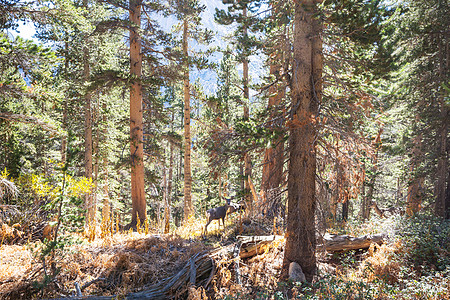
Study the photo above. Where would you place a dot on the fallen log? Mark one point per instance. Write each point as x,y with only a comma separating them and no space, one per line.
253,245
334,243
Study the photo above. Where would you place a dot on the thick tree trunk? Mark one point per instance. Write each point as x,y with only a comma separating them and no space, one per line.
95,153
442,206
188,209
306,93
136,118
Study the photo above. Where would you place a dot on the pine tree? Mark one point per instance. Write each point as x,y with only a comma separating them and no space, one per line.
188,12
422,40
241,12
306,96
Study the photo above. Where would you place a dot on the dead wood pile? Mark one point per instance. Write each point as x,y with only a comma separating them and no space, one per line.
201,268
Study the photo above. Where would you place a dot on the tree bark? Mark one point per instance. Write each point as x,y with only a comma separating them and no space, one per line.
188,209
414,198
442,167
447,198
333,242
306,93
64,120
106,211
136,118
441,206
247,161
89,200
169,191
345,205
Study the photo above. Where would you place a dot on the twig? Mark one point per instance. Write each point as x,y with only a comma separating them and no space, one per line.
77,289
87,284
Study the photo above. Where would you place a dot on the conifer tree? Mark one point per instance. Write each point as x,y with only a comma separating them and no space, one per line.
188,12
241,12
136,117
306,96
422,39
278,53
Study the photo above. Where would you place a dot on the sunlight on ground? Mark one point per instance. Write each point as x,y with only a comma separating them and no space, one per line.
14,261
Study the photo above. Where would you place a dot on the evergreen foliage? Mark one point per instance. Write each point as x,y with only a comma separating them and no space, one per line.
379,110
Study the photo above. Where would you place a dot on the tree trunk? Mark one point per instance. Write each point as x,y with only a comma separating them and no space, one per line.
220,186
64,120
332,242
447,198
89,200
136,118
336,187
414,198
188,209
368,199
442,167
169,191
441,206
106,211
95,153
306,94
345,210
247,161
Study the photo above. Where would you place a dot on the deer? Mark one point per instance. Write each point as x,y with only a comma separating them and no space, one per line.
221,212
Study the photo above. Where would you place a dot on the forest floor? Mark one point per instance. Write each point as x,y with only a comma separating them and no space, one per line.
130,262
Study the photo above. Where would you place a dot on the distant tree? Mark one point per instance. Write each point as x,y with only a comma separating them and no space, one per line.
422,39
188,12
241,12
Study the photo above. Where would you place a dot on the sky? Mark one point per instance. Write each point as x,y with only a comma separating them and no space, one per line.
26,31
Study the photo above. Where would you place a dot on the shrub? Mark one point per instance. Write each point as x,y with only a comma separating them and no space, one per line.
426,242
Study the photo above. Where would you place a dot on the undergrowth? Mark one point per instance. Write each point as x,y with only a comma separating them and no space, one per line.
413,264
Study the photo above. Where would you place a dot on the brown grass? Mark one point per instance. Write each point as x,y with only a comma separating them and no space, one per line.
121,263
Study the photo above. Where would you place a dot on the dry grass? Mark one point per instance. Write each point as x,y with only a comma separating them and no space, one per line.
120,263
14,262
380,263
116,264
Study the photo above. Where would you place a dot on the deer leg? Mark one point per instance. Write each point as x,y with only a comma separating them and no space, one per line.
206,226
